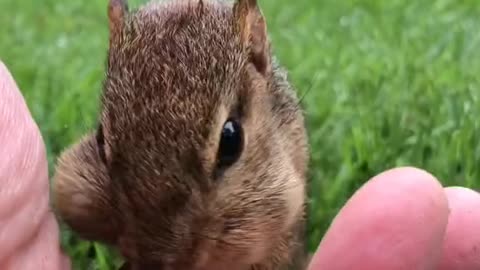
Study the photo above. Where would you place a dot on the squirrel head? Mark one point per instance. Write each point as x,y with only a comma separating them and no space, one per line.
188,167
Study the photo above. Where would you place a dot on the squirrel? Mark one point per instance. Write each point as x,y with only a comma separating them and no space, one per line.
200,157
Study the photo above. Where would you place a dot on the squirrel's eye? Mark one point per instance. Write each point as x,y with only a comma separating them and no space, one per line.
231,143
101,144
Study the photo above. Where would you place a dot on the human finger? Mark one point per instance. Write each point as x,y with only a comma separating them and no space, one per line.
25,218
461,249
396,221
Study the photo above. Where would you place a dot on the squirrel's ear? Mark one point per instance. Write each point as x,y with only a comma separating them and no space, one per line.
252,28
117,11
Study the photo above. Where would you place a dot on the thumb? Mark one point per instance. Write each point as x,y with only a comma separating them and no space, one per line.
29,233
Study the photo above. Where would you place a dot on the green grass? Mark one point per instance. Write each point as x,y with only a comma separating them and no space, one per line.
388,83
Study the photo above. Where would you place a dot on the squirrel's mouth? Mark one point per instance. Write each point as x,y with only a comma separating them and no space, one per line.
208,256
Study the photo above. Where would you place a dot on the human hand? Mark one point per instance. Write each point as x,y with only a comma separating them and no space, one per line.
403,219
28,230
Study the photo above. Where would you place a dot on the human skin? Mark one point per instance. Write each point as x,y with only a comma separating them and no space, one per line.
401,219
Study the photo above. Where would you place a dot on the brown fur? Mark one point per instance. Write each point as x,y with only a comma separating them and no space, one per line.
175,72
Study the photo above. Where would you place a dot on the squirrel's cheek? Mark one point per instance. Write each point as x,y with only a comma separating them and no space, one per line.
258,252
294,198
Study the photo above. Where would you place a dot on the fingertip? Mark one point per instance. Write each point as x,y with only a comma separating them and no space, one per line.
394,221
461,250
408,176
411,183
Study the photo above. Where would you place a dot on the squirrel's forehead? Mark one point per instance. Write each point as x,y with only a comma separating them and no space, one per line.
179,39
174,37
170,114
173,65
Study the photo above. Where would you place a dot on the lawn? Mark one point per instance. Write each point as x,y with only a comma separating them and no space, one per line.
385,83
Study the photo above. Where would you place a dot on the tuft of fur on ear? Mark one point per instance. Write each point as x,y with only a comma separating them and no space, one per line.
252,27
117,11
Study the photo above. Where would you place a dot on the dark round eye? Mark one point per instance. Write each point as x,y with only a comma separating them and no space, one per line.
231,143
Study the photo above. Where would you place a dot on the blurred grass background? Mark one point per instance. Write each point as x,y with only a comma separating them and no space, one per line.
387,83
